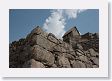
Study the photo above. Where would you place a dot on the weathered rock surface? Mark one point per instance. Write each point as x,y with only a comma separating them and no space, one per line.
33,64
78,64
42,55
42,50
63,62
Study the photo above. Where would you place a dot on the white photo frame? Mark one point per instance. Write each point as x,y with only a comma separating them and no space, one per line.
102,71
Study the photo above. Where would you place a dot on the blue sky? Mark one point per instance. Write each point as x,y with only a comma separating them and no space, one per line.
22,21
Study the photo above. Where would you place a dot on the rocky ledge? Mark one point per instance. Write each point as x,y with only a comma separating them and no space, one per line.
42,50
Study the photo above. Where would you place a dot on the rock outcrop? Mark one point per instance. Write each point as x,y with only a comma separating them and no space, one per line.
42,50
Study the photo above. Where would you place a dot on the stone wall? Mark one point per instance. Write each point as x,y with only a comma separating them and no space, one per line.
42,50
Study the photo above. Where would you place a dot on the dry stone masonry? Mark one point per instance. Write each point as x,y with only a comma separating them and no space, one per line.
44,50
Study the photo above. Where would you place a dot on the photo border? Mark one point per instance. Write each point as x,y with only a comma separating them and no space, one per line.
102,71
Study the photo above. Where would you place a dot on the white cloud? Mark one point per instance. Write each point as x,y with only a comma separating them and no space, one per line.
56,22
72,13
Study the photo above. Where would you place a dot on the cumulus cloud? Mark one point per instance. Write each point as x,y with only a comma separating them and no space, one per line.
56,22
72,13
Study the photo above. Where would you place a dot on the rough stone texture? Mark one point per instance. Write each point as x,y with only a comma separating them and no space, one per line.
83,59
44,50
42,55
78,64
93,53
33,64
95,60
63,62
